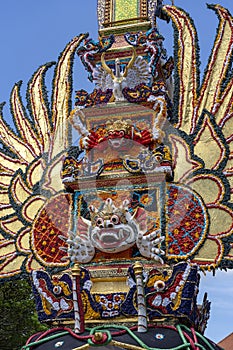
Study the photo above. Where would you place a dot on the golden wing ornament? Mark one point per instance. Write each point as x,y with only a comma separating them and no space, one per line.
31,192
202,143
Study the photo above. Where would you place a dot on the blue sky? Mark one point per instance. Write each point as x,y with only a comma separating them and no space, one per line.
35,32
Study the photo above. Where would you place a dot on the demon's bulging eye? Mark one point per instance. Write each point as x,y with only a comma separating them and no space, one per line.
89,46
57,289
121,133
115,219
159,158
99,222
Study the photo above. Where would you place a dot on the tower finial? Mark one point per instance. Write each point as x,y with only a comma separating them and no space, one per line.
116,13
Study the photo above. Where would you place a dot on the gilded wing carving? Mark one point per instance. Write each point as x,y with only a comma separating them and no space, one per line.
203,117
30,162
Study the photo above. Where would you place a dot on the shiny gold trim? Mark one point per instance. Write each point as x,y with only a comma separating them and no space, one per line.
138,268
122,50
203,259
112,286
82,347
125,346
76,270
109,279
98,336
135,27
123,21
128,322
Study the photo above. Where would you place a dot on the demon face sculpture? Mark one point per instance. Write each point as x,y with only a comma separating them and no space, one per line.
113,230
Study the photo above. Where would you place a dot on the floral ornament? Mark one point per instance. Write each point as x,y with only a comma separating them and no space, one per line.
159,336
110,304
146,199
96,97
187,222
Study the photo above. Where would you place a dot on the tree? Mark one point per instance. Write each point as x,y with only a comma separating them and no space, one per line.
18,319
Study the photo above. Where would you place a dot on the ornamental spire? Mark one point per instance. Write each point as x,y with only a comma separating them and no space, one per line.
117,13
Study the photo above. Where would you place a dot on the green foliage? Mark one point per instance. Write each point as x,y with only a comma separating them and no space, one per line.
18,320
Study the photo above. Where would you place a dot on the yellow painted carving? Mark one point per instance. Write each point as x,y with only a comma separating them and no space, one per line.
22,150
225,31
124,9
115,285
208,149
24,241
228,127
229,166
230,255
33,207
90,313
230,179
187,71
62,90
6,211
26,132
13,266
39,108
10,165
220,221
4,199
35,173
208,252
184,164
33,266
207,189
8,249
5,180
21,192
53,179
13,226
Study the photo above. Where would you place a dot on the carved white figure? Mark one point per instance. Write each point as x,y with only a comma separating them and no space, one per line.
136,72
113,230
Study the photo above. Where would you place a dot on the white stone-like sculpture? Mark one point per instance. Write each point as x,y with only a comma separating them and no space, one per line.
136,72
113,230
